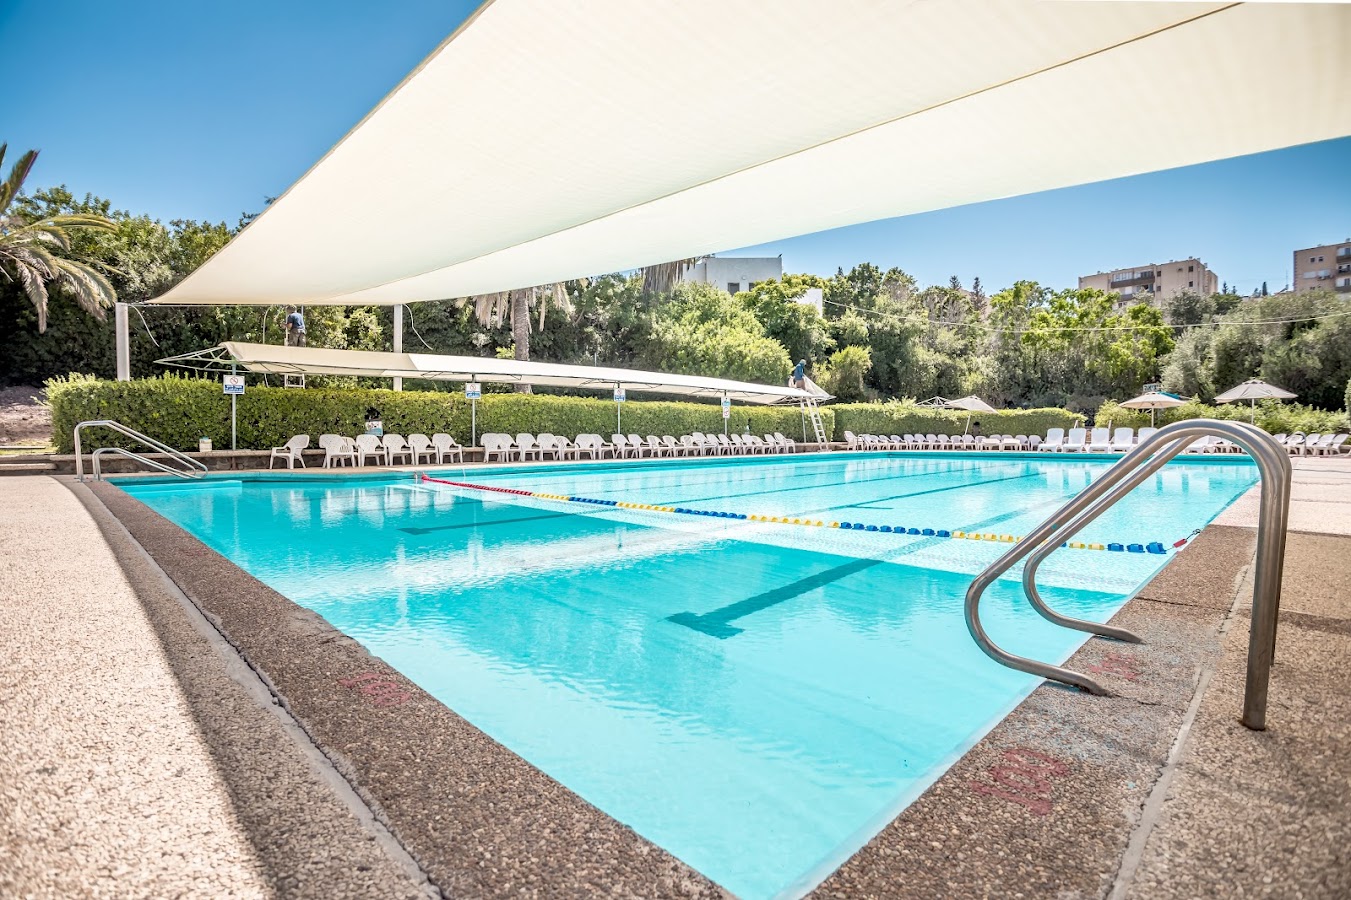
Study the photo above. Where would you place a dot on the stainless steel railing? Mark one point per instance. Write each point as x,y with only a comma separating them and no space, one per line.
1135,467
192,468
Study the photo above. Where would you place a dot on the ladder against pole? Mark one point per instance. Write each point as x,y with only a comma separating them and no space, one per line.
814,413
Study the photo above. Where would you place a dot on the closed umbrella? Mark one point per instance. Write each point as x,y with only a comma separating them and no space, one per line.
972,404
1154,401
1252,390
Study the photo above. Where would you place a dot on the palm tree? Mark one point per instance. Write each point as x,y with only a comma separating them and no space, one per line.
496,308
29,247
662,277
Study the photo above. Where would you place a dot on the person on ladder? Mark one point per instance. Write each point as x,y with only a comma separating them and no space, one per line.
800,375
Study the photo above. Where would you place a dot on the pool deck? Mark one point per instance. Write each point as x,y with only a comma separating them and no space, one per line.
174,726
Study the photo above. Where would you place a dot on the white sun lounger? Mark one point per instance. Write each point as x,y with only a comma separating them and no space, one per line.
1123,439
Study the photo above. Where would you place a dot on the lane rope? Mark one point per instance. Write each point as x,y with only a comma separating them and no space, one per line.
1156,547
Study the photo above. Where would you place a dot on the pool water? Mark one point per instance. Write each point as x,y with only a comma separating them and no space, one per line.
758,699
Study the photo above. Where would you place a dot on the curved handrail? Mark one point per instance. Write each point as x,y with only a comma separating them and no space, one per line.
135,435
129,454
1133,469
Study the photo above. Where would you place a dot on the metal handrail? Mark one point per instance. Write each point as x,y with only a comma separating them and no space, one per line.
178,455
1134,468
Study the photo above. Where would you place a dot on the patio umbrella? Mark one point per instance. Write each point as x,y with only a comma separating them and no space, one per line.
1252,390
972,404
1154,401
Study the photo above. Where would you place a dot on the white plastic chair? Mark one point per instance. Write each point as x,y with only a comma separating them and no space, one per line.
290,451
335,451
1075,442
1123,439
1055,440
443,445
636,444
368,445
419,445
498,445
395,447
526,446
851,439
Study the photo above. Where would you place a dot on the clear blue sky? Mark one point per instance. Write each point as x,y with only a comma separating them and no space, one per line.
201,109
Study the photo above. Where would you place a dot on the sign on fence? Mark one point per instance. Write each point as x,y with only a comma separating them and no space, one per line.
234,384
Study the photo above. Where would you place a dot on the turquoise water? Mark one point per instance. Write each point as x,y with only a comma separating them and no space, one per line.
812,682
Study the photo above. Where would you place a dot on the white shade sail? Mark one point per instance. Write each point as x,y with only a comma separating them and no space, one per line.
545,141
272,359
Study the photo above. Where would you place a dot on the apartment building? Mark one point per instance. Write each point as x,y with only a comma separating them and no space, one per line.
1328,266
734,273
1155,282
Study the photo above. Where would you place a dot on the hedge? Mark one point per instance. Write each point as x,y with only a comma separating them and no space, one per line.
1272,415
179,410
905,416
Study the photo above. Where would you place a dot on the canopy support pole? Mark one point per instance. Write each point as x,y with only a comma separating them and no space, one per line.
398,341
234,370
123,342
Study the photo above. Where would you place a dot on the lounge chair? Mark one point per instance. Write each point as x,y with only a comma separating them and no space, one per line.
1055,440
1100,441
1295,443
1319,447
1145,433
444,446
290,451
526,446
622,450
656,447
395,447
636,444
420,445
368,445
852,440
593,444
1123,439
1033,442
336,451
1075,442
726,445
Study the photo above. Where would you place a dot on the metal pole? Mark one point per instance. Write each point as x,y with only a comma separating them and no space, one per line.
233,397
398,341
123,342
473,423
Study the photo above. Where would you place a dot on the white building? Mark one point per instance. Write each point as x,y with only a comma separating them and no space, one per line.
734,273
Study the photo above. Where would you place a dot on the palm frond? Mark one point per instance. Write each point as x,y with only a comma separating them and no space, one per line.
92,291
662,277
10,187
80,220
35,286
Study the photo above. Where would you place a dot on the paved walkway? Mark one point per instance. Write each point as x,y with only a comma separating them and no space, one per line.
106,786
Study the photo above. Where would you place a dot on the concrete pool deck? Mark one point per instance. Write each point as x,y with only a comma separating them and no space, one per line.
1155,793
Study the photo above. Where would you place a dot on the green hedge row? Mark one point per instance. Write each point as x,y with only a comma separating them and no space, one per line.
179,411
902,417
1272,415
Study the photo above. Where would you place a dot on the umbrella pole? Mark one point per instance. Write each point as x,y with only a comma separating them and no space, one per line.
967,429
1252,407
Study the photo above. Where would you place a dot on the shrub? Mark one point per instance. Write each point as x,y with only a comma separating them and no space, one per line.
1272,415
179,410
901,417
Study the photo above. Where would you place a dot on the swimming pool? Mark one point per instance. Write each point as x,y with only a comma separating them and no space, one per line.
757,698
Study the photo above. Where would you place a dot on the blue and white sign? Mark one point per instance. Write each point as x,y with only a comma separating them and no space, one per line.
619,395
473,390
234,384
726,408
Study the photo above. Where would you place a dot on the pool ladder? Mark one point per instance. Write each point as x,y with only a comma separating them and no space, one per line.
191,468
1134,468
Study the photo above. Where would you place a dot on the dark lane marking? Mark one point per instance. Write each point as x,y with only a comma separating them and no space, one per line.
485,522
715,623
868,504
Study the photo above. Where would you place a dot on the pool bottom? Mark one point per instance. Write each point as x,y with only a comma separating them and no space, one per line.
955,841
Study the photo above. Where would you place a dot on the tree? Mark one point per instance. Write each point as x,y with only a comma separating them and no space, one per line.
843,374
702,330
514,306
955,283
31,248
1265,292
802,330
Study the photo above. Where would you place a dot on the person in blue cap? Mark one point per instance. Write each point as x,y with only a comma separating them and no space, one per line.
800,375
